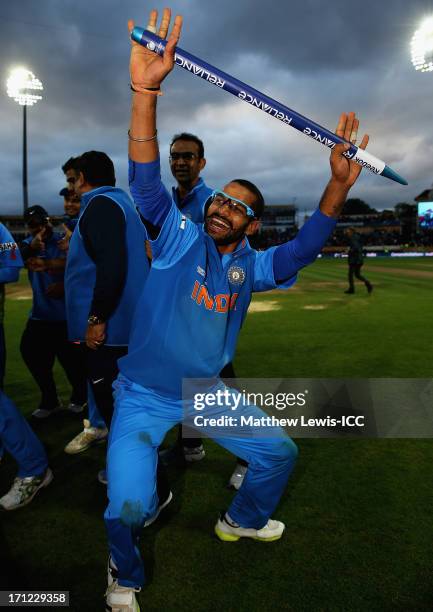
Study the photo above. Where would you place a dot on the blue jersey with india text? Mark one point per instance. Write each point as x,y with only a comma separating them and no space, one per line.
194,303
10,257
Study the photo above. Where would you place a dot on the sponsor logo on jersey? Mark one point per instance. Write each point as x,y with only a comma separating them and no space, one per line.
9,246
222,302
236,275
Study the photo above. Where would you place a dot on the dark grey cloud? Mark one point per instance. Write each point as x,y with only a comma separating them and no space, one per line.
319,58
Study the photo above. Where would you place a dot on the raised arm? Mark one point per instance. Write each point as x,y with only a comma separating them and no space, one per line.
290,257
147,72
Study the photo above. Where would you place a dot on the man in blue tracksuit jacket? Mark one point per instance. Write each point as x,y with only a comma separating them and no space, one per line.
106,270
193,305
187,160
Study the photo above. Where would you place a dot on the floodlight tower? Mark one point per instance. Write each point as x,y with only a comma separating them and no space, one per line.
21,86
422,47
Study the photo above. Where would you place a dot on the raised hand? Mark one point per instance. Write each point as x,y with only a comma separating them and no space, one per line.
63,243
38,244
344,170
147,69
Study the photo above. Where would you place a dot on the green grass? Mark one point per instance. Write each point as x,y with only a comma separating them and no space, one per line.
358,513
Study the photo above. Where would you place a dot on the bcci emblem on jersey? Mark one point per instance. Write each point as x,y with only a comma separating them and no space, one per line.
236,275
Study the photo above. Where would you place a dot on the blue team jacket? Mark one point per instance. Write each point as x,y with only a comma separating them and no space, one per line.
81,273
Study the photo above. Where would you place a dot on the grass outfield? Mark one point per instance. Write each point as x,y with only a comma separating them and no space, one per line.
359,514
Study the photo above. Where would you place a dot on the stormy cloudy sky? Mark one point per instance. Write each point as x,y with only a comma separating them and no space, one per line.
318,57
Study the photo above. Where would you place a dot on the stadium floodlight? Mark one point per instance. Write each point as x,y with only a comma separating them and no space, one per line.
21,86
422,47
24,88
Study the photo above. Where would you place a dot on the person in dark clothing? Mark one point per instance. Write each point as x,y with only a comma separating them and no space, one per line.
356,261
45,335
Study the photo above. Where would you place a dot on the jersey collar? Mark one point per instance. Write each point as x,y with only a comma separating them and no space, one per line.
197,187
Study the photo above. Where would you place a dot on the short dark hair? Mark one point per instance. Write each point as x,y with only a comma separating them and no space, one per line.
97,168
191,138
69,165
259,203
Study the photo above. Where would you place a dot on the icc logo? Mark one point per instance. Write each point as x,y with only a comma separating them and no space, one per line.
236,275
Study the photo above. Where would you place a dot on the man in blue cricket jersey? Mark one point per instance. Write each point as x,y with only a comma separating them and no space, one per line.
10,265
186,326
191,194
45,336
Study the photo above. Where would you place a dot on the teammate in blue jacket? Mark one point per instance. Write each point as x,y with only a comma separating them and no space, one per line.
186,326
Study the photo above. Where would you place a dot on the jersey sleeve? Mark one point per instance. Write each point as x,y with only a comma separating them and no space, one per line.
10,255
150,196
175,238
264,277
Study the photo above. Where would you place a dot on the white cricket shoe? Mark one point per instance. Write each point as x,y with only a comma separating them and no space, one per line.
23,490
237,478
228,531
119,598
87,438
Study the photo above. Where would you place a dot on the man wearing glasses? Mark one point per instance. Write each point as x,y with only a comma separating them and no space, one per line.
186,326
187,160
191,195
